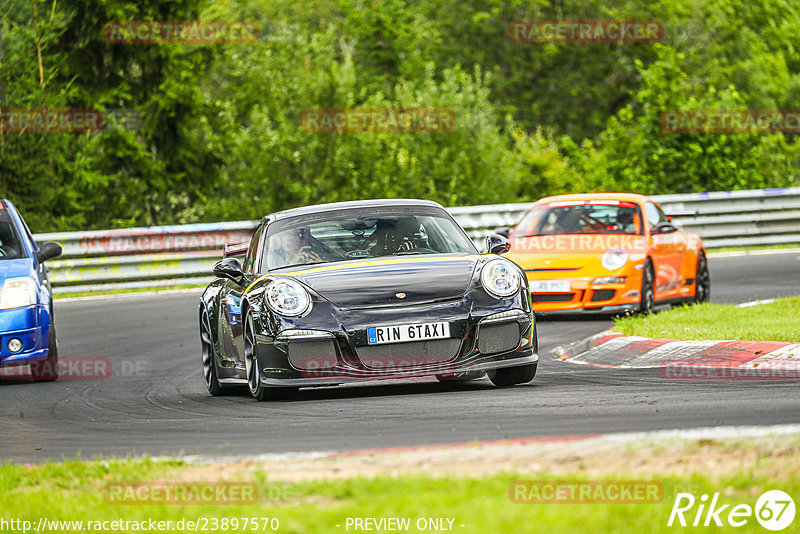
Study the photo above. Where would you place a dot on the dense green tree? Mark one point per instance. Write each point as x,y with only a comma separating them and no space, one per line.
634,154
221,135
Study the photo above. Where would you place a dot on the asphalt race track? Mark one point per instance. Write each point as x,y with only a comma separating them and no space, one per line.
155,400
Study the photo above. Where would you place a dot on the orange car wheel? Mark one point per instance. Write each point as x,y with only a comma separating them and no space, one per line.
647,298
702,280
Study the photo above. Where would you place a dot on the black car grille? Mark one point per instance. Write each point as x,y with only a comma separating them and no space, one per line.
408,355
494,338
603,294
312,354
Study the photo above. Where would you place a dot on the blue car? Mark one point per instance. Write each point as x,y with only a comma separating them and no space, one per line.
27,333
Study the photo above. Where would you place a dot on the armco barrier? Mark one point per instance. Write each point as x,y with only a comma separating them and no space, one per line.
166,256
158,256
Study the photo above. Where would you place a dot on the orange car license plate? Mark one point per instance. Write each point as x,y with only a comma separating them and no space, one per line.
549,286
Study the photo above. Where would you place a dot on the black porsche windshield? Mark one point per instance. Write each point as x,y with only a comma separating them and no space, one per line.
358,233
581,217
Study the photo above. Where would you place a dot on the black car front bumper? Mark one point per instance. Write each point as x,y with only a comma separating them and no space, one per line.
498,337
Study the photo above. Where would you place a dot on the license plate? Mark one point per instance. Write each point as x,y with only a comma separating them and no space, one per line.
377,335
549,286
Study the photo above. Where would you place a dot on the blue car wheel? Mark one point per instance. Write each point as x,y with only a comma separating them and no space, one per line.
47,370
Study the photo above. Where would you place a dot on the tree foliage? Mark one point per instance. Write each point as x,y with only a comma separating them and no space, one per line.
221,134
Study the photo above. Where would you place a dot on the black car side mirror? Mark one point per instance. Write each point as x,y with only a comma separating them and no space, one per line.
48,251
497,244
231,269
665,228
503,231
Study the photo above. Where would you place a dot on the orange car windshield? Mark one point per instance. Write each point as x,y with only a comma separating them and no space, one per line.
581,217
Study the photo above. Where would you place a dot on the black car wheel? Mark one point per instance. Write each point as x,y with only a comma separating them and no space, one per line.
209,358
647,295
47,370
510,376
257,390
702,280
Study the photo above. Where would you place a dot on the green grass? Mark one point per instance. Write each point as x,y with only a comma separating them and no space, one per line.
754,248
73,490
776,321
122,291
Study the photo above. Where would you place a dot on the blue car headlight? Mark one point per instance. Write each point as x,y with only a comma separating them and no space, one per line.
288,297
17,293
500,278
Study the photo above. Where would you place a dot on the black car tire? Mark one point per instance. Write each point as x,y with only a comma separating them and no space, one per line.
257,389
510,376
47,370
702,280
647,298
210,358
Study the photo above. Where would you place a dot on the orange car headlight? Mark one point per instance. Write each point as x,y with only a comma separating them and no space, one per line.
614,258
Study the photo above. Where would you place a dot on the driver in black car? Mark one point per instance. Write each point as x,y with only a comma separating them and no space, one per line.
394,235
406,233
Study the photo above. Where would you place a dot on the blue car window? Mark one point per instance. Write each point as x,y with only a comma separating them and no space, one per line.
10,246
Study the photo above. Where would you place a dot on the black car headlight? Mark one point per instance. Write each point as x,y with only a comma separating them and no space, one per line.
288,297
500,278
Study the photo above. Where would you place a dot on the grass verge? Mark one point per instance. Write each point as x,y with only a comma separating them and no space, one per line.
775,321
77,491
793,246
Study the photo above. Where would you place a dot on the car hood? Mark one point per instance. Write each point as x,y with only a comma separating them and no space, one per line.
14,268
375,282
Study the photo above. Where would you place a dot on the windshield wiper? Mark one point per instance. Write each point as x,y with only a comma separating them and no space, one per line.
408,253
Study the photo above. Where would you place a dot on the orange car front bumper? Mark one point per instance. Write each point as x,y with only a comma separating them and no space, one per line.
585,295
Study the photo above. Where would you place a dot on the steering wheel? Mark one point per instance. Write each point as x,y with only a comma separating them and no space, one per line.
324,250
593,222
359,253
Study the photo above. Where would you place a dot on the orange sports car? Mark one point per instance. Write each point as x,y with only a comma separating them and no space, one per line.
608,253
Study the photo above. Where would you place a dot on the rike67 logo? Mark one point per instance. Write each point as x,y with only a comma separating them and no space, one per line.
774,510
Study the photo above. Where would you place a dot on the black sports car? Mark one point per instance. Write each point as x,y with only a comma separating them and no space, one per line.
364,290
